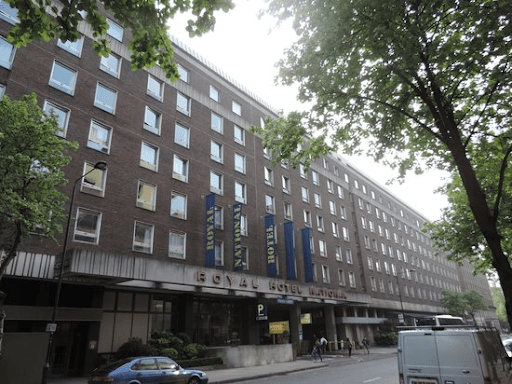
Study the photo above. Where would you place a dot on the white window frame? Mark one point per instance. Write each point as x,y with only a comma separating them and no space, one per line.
142,201
95,143
147,245
7,62
352,279
326,278
219,217
217,189
73,47
177,138
115,30
155,88
219,253
175,249
269,176
183,104
239,158
153,164
236,108
315,177
68,88
270,204
181,174
93,235
239,135
216,151
322,248
101,104
288,211
148,124
111,65
286,184
217,123
240,192
8,13
62,114
214,93
183,73
174,211
95,180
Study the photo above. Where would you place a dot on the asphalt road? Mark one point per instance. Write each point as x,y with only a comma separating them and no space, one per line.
381,371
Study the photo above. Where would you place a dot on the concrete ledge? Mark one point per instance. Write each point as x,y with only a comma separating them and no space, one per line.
252,355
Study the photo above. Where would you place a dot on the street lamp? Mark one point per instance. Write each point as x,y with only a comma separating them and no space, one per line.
52,327
401,318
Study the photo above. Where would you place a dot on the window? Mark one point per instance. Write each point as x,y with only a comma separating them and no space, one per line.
178,205
216,183
146,196
302,170
243,225
288,212
339,254
269,176
152,121
149,156
63,78
369,261
73,47
377,265
239,135
216,151
348,255
214,93
87,226
105,98
181,135
183,73
320,223
381,286
177,244
2,90
318,200
155,88
341,277
305,194
183,104
180,169
335,230
326,164
286,184
330,186
62,115
219,217
240,192
332,207
216,123
219,253
95,180
373,283
236,108
322,248
114,30
269,204
352,279
325,274
111,65
315,178
245,258
99,137
340,191
239,163
143,237
346,236
7,52
307,218
8,13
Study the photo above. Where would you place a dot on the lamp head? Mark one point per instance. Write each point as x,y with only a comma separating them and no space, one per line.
101,165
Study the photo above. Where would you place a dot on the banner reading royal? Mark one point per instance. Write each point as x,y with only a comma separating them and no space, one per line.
209,240
270,235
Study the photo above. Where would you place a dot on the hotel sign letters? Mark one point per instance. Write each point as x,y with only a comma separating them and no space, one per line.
271,286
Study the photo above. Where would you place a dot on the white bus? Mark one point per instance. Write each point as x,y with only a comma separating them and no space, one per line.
439,320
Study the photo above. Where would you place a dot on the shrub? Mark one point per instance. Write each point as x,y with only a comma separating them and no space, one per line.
385,338
135,347
171,352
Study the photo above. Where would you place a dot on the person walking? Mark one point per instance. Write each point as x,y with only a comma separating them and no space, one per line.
349,347
366,345
323,343
316,348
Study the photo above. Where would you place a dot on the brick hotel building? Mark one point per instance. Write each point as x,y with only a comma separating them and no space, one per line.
190,228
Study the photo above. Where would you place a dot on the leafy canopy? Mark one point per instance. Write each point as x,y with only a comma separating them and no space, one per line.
461,303
47,20
31,158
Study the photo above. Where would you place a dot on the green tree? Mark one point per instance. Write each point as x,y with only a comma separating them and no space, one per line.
31,158
422,83
461,303
147,21
499,303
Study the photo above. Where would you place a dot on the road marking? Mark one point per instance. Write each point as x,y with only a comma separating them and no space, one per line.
368,381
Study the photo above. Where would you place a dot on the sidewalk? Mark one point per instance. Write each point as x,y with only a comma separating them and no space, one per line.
235,375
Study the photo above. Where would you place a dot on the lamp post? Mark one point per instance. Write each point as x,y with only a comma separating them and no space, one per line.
52,327
401,318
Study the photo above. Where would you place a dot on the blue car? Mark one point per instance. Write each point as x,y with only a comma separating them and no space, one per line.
146,370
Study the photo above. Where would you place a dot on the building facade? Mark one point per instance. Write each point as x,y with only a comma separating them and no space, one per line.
191,227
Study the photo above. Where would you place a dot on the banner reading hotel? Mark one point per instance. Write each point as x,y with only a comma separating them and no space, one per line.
306,249
237,238
270,234
209,253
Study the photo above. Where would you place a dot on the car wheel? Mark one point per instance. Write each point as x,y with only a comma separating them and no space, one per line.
194,380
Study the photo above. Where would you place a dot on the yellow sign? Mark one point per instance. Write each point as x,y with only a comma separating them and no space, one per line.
305,318
278,327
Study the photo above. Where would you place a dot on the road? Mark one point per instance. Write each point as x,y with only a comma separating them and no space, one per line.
381,371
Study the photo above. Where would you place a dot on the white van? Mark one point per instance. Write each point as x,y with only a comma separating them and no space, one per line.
443,355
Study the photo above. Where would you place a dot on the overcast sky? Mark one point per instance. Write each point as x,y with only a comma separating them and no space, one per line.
247,48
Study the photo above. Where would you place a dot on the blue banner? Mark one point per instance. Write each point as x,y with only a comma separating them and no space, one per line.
291,273
308,262
270,234
237,238
209,253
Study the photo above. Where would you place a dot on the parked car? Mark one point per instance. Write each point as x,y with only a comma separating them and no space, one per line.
145,370
507,343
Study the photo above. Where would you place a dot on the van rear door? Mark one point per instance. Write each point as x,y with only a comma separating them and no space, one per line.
458,358
419,358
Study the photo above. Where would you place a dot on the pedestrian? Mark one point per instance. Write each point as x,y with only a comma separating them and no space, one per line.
366,345
316,348
323,343
349,347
